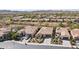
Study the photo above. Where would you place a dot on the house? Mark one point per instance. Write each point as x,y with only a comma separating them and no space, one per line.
46,19
68,17
65,20
75,34
29,30
76,20
34,19
63,17
41,19
4,33
26,19
1,35
5,29
58,17
76,17
54,17
44,32
59,20
73,20
53,20
17,18
62,33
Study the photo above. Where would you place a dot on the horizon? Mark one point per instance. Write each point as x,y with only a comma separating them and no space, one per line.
40,10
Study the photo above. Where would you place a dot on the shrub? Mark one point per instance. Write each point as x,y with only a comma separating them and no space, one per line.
56,41
73,42
74,25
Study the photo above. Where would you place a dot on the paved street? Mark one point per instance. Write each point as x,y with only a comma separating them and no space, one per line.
14,45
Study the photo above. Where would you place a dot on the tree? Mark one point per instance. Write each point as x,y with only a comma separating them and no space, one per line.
13,35
74,25
61,24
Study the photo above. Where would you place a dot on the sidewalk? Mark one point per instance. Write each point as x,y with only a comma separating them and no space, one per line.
66,43
47,41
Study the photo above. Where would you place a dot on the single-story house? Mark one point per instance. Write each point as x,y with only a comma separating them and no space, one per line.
29,30
54,17
26,19
62,33
53,20
34,19
59,20
17,18
58,17
3,33
46,19
73,19
44,32
65,20
41,19
76,17
63,17
75,34
76,20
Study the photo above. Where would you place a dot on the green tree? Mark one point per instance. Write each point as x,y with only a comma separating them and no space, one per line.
61,24
74,25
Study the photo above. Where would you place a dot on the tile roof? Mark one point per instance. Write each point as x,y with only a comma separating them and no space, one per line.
63,31
45,31
75,33
29,30
4,31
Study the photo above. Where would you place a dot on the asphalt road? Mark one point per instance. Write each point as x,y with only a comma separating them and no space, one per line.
13,45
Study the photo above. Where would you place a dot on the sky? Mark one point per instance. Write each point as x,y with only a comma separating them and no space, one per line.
38,4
